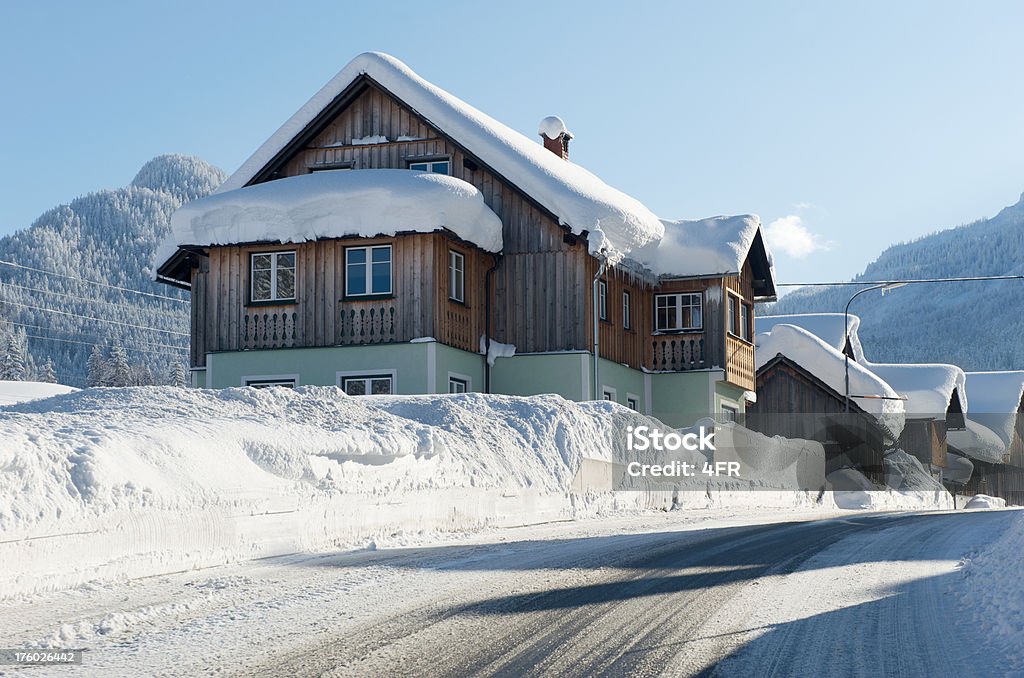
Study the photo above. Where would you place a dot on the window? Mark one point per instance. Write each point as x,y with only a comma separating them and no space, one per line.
633,403
746,321
730,413
608,394
626,323
734,316
367,270
435,166
457,385
677,312
272,276
602,299
268,383
371,384
456,276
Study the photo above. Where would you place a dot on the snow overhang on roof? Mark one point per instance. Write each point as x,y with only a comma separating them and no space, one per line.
717,246
931,390
829,365
613,222
829,327
995,401
977,442
335,204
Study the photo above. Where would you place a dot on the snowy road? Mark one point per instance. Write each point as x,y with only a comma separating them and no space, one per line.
852,594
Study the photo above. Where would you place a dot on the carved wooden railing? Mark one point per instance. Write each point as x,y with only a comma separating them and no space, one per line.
368,323
268,328
677,353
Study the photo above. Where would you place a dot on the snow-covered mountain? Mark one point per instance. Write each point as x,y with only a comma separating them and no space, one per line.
977,325
108,237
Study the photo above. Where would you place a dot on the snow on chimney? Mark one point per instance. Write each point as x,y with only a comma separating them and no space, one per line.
555,136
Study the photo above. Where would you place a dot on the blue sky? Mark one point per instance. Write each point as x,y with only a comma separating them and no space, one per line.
846,126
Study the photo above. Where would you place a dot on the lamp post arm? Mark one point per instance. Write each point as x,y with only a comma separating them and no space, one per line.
846,338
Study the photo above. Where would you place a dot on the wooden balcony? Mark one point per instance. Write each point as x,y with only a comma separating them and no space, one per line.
677,353
268,328
368,323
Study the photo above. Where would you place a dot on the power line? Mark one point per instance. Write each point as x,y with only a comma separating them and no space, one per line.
93,282
92,343
903,282
101,320
93,336
157,311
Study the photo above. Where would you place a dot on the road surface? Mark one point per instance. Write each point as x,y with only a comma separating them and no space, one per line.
853,594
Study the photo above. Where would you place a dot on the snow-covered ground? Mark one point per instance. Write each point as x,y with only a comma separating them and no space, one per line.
146,481
13,392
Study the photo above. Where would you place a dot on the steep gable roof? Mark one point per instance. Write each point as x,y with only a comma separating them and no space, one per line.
614,222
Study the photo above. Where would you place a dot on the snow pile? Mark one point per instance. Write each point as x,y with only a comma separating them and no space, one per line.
991,596
908,486
614,222
828,364
708,247
928,388
958,469
768,462
552,127
333,205
495,349
12,392
984,501
829,327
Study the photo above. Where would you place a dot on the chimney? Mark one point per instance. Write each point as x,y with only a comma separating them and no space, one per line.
555,136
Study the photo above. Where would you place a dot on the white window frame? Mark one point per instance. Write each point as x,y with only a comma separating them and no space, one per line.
679,311
635,400
370,292
729,405
342,376
264,380
608,390
464,379
456,274
627,310
273,276
732,320
602,300
428,165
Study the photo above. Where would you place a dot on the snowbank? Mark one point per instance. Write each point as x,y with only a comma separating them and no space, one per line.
829,364
336,204
991,596
12,392
715,246
984,501
613,221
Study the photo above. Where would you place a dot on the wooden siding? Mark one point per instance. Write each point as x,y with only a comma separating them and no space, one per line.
926,440
225,320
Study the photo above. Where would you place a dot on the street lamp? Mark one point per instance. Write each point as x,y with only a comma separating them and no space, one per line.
885,287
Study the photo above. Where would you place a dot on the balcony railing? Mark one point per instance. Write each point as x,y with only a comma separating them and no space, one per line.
677,353
368,323
268,329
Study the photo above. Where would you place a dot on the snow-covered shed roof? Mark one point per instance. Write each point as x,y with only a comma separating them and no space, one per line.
978,442
929,388
829,365
711,247
829,327
336,204
995,400
615,223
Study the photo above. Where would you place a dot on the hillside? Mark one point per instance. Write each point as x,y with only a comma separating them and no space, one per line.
107,237
976,325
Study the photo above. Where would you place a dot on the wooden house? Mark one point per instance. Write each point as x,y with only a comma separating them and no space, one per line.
312,264
997,450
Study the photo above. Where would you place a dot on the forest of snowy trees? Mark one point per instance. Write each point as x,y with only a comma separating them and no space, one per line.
976,325
77,302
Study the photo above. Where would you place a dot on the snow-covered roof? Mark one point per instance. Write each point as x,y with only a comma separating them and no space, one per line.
829,327
995,399
13,392
977,442
829,364
928,388
615,223
335,204
714,246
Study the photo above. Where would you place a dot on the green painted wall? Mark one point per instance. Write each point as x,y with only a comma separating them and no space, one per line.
533,374
461,363
681,398
625,381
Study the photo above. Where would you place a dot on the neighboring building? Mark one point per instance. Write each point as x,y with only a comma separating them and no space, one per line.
389,236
